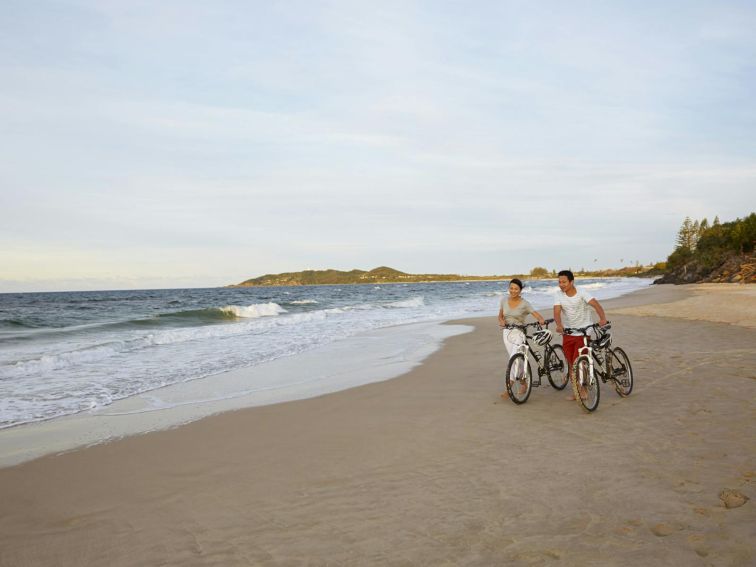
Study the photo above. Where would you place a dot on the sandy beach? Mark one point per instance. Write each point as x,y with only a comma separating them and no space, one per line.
433,467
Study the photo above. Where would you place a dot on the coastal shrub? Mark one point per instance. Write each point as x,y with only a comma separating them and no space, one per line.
710,246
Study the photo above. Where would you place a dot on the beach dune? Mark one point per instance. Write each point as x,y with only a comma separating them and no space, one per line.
433,467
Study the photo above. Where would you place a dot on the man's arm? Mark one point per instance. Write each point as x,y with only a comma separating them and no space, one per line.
599,310
558,319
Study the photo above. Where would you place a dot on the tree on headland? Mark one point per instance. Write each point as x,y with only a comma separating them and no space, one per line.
703,227
708,245
686,236
539,272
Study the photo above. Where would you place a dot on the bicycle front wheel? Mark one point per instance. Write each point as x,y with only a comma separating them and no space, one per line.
621,371
557,368
519,379
585,384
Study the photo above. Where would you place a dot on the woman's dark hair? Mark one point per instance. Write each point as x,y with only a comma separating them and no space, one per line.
517,282
567,273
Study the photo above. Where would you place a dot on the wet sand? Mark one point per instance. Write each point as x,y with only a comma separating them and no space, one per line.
433,468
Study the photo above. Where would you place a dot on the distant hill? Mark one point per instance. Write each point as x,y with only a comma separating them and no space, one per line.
379,275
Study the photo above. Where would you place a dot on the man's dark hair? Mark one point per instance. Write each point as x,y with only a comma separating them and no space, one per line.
568,274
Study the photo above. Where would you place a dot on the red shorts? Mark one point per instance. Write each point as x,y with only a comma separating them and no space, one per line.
572,345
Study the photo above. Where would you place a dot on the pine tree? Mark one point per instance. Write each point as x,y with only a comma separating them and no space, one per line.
703,227
694,231
685,235
716,221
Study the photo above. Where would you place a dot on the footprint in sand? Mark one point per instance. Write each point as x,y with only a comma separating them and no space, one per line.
662,530
699,544
733,498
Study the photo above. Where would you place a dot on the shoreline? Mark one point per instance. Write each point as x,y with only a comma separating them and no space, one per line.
430,468
385,353
389,352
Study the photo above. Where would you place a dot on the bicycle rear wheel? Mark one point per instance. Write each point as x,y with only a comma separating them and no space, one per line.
621,371
585,384
519,379
557,368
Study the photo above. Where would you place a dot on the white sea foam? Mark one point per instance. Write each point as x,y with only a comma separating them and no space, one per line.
304,302
100,352
594,285
550,290
254,311
413,302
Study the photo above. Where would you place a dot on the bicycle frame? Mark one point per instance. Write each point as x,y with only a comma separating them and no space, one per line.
597,363
587,350
526,349
597,366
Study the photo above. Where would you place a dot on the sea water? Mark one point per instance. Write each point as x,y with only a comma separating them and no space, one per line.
71,352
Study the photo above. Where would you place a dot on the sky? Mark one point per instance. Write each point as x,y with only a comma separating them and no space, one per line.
190,144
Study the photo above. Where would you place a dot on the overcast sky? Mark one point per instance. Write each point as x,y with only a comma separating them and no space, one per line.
181,143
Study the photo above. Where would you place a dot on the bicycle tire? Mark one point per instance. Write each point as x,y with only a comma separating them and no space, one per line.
582,379
557,369
621,371
519,375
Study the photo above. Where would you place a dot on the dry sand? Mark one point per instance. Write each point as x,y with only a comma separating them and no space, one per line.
720,303
432,468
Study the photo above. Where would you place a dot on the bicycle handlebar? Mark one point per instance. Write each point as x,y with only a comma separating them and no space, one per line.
546,323
521,327
584,330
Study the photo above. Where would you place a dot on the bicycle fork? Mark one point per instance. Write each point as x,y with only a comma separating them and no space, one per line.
524,351
588,352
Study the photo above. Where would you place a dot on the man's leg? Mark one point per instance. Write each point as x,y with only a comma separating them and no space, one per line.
571,346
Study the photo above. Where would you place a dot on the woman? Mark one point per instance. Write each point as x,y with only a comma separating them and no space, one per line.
512,311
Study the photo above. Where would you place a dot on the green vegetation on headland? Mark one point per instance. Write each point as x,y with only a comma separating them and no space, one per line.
380,275
720,252
385,275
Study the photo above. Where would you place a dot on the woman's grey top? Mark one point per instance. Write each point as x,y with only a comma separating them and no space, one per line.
517,314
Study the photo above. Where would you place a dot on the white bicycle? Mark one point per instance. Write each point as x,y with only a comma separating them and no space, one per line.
598,360
551,362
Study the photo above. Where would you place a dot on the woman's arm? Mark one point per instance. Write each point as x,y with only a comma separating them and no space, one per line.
534,313
538,317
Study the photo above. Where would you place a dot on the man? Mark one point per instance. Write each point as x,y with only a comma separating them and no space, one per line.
571,310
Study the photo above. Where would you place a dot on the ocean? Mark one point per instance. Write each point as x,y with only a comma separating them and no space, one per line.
66,353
